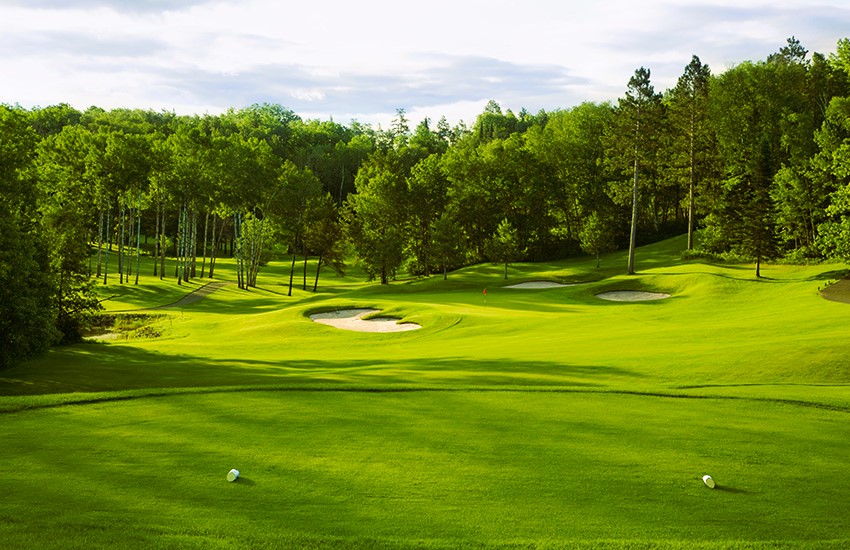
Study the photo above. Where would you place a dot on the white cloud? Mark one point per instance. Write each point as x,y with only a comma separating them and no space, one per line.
365,59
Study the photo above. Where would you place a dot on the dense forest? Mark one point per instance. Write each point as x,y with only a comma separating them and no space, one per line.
753,164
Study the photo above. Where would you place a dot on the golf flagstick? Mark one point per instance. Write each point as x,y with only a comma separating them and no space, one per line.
485,296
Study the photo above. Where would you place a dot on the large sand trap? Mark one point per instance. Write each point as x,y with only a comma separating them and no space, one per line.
631,296
539,284
352,319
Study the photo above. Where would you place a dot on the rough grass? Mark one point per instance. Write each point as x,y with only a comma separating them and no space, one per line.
541,418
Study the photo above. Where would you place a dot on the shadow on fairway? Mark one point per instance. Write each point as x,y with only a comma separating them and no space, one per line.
829,275
97,368
750,277
139,298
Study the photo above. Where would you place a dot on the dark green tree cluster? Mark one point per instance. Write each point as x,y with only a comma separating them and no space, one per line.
86,194
28,310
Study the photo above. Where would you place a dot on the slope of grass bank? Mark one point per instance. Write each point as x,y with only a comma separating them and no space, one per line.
720,327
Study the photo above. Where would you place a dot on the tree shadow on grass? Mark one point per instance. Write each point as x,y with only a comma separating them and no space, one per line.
751,277
835,274
98,368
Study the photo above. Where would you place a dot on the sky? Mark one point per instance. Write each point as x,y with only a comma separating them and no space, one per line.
363,60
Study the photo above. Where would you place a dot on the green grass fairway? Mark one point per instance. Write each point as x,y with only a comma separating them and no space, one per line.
431,468
539,419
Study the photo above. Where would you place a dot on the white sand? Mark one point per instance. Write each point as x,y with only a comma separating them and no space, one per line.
539,284
631,296
352,319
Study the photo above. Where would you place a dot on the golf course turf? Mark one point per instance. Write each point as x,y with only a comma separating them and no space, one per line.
538,418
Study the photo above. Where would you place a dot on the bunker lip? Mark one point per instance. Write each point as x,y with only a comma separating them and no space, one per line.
631,296
540,284
352,319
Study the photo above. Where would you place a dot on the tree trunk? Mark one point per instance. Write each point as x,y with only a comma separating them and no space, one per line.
318,268
99,243
304,283
294,254
108,244
156,241
162,243
121,249
216,244
204,249
262,243
292,271
237,247
633,234
506,271
177,246
130,233
187,247
194,242
138,235
252,262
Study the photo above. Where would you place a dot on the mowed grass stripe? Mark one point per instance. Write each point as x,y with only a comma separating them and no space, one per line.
442,467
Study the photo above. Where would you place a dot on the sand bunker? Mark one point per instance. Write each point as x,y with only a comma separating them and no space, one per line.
838,291
539,284
352,319
632,296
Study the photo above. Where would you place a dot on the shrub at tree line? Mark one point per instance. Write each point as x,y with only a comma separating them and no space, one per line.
758,158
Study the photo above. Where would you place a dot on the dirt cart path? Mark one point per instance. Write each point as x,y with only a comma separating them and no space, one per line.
195,296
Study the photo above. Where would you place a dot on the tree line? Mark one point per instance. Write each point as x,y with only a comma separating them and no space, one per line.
756,158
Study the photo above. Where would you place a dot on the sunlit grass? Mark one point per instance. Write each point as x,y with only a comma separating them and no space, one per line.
542,418
425,468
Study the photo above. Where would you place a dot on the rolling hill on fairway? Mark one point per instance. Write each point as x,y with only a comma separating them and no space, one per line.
541,417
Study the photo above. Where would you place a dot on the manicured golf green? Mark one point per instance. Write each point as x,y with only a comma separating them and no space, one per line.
539,418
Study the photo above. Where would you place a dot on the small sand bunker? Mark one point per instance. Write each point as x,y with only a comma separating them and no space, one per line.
838,291
352,319
539,284
632,296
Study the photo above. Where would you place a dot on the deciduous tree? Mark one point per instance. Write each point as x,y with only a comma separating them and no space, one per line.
27,306
504,246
